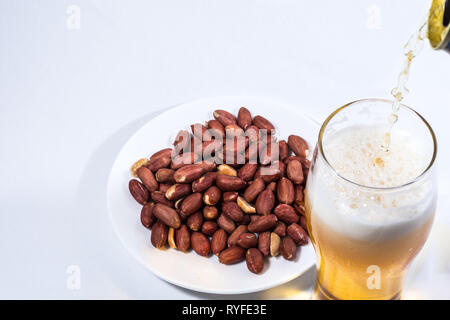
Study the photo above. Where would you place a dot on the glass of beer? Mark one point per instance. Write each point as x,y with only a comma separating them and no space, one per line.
370,207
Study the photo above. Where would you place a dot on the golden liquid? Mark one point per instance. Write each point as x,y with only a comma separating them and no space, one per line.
344,263
412,48
433,29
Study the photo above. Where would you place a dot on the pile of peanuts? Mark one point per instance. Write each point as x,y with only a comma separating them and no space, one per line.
248,207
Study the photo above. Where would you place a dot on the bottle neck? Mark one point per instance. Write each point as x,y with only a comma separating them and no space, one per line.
439,25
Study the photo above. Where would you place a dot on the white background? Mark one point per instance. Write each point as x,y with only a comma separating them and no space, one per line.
70,97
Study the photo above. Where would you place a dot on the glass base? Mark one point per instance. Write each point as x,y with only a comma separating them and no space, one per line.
321,293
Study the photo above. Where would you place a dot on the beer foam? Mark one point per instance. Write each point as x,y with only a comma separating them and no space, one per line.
356,154
366,213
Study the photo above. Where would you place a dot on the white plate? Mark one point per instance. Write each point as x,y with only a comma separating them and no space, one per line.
189,270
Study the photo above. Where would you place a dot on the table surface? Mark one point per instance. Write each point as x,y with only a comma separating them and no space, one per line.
77,78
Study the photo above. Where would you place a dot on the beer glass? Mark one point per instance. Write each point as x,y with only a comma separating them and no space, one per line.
366,236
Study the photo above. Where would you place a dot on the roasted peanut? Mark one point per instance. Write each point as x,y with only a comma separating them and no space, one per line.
245,206
254,260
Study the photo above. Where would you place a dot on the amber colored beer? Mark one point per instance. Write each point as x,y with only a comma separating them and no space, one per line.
344,263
